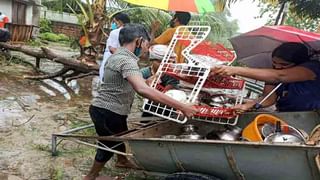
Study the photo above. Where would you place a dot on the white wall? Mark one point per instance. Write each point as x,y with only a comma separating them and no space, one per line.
6,8
29,14
36,13
59,16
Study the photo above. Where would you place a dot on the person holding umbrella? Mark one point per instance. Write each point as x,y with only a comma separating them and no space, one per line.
122,78
293,68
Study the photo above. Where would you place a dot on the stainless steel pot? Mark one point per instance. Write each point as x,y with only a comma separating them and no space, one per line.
169,136
189,132
289,134
190,136
283,138
232,133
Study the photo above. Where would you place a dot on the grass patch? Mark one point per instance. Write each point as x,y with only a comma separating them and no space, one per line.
34,43
2,58
41,147
57,173
54,37
13,60
128,174
87,131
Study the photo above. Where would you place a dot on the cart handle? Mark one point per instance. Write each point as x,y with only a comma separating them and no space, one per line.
106,148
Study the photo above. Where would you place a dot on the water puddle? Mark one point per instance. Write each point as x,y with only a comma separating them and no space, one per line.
13,109
10,111
56,86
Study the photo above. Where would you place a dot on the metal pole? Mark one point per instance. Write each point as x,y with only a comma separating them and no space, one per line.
77,129
55,137
54,145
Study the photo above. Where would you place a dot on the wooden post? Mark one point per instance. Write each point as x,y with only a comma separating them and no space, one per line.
37,62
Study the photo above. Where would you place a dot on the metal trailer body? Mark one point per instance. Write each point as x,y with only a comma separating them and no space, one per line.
226,159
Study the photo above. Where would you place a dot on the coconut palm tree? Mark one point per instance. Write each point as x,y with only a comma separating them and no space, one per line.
94,19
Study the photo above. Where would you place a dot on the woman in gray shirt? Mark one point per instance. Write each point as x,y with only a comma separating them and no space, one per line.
122,78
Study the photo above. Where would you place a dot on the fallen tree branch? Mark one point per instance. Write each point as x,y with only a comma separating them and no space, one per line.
24,122
48,76
80,69
24,49
74,73
81,76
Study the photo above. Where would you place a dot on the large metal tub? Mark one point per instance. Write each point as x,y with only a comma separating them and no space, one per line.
226,159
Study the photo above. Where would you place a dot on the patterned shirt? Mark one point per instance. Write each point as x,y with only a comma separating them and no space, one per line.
116,93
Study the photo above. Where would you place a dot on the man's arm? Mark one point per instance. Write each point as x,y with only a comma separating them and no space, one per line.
154,28
144,90
113,41
165,37
271,100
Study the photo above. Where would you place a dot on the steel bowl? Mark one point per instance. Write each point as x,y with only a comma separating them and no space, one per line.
190,136
169,136
283,138
189,128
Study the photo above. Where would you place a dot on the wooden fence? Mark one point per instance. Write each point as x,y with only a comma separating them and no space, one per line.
19,32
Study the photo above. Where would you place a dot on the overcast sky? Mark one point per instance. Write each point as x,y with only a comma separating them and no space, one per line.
244,12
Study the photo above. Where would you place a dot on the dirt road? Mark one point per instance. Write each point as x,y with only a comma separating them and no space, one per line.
30,111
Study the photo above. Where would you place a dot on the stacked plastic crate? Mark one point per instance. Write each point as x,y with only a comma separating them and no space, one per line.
194,78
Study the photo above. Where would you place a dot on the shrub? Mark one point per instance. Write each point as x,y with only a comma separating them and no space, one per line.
63,37
34,42
53,37
45,25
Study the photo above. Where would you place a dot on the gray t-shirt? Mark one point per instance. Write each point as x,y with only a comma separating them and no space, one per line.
116,93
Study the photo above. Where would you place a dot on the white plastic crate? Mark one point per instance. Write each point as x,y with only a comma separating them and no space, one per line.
196,74
200,75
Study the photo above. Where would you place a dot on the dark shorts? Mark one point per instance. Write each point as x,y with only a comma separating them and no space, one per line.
107,123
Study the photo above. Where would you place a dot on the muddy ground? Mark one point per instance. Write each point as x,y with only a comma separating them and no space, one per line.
30,111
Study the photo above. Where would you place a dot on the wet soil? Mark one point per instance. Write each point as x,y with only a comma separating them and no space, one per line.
31,111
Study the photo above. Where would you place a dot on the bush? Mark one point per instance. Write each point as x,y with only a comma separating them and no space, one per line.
53,37
45,25
34,42
63,37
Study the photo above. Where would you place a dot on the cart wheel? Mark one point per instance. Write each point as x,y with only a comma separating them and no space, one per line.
190,176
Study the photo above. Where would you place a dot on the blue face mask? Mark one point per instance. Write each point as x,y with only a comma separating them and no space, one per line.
114,26
137,51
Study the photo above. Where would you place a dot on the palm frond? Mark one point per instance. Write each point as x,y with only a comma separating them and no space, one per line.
81,21
84,13
144,15
90,15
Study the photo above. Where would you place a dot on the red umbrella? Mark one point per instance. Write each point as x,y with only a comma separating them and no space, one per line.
254,48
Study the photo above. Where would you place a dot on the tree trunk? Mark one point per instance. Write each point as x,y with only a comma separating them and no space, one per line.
72,68
278,18
95,34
